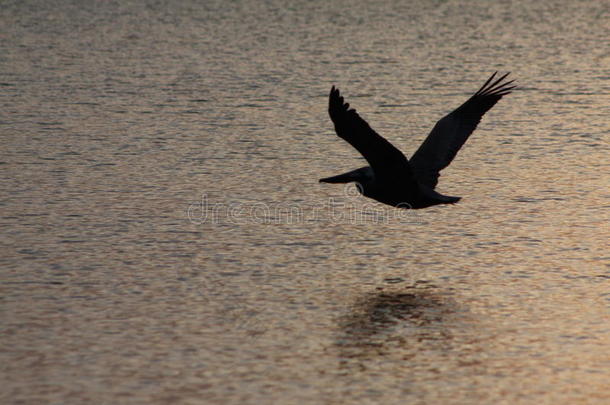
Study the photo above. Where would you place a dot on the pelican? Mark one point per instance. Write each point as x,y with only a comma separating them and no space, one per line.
392,179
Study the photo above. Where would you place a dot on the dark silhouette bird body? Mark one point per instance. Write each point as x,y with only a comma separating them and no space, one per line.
392,179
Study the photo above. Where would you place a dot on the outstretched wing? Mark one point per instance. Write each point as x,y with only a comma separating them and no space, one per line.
452,131
388,163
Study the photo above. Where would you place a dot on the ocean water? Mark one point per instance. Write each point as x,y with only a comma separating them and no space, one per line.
165,238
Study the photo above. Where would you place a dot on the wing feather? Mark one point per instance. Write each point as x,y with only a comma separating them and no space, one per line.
451,132
387,162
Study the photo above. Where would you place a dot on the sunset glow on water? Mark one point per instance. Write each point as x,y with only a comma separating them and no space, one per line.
165,238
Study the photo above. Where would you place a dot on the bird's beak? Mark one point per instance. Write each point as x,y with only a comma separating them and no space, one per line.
342,178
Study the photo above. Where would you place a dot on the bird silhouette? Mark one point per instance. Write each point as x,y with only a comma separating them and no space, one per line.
392,179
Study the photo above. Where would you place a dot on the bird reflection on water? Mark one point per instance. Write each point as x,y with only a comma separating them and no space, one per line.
388,318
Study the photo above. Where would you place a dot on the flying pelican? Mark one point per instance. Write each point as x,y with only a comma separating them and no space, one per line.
392,179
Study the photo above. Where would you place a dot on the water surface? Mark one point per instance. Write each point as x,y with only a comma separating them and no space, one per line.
118,119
